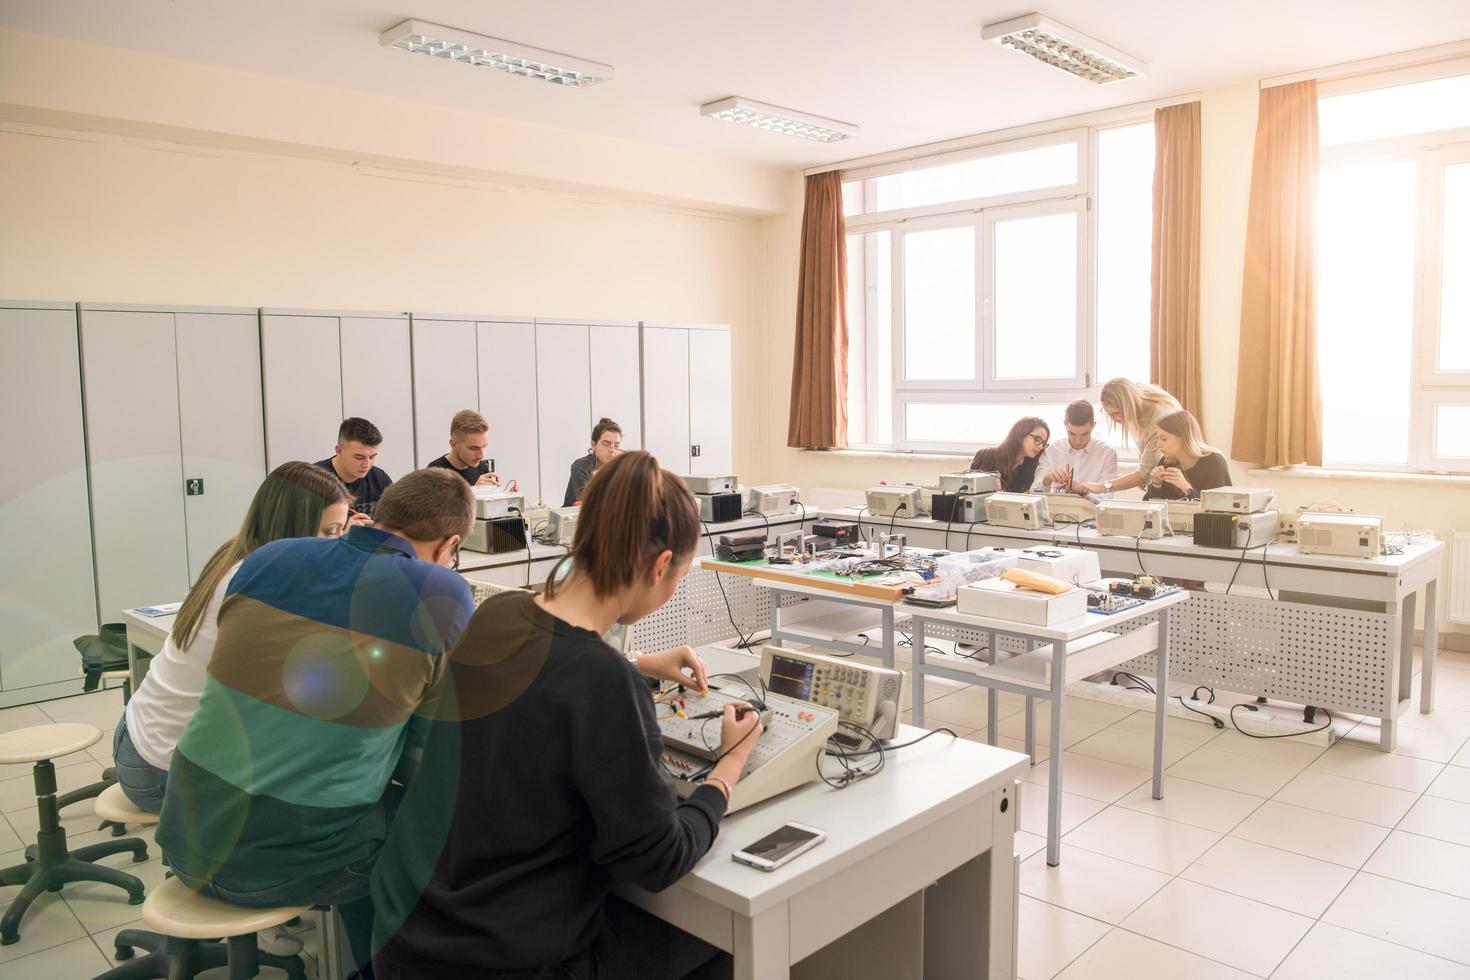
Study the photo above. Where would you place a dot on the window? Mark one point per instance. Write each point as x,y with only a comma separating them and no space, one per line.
1393,229
996,282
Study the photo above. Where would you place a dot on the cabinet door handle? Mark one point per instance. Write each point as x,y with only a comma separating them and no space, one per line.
694,450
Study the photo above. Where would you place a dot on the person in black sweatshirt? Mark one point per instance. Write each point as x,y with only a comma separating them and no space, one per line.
540,785
1186,465
1014,460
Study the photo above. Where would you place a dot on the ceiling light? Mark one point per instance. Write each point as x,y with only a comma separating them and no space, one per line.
1061,47
778,120
451,44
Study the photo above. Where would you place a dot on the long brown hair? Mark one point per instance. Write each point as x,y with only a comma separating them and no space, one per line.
1137,402
1184,427
632,511
288,504
1001,460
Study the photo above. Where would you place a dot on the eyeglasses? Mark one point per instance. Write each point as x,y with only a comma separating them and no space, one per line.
1038,440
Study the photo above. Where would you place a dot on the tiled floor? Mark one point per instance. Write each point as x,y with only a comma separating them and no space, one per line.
1264,859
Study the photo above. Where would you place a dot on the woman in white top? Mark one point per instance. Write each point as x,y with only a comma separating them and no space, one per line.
1136,407
296,500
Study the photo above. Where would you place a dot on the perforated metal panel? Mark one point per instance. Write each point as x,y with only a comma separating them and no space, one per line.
697,614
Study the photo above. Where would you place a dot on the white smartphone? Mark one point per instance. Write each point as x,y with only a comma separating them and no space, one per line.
780,846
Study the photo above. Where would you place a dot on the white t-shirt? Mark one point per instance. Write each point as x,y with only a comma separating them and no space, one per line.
1093,463
161,707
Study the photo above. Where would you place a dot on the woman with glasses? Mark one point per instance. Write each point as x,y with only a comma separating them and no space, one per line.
1136,408
1014,460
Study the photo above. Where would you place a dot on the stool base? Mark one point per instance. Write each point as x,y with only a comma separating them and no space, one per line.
39,877
181,959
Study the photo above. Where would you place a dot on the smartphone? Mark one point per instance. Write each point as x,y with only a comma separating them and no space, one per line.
780,846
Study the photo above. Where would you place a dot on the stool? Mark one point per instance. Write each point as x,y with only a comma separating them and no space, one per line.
109,775
53,864
114,807
186,942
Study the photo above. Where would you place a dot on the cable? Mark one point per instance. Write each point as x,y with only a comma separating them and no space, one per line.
1137,553
1142,685
1265,575
903,745
1251,707
744,641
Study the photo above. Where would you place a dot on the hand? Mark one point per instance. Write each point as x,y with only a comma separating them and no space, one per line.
359,519
514,487
1174,476
1059,477
488,480
1086,488
670,665
739,735
1156,475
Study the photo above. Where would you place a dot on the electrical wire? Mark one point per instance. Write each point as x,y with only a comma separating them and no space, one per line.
729,611
1251,707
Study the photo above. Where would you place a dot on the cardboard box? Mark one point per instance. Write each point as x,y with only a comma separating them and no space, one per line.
998,599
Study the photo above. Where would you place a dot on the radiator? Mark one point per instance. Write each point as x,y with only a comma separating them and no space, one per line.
1460,577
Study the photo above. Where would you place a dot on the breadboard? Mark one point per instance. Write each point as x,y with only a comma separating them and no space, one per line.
784,757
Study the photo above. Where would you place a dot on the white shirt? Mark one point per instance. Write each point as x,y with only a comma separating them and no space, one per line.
1093,463
169,695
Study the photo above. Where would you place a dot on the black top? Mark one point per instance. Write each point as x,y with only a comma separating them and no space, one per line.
365,491
538,788
1023,475
581,473
471,474
1207,473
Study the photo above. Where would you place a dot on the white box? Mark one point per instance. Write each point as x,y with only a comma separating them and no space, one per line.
996,598
1236,500
1349,535
490,502
1023,510
1133,518
561,524
711,484
772,500
897,501
969,483
1070,508
1071,565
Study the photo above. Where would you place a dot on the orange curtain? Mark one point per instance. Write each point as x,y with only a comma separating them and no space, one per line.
819,366
1174,361
1278,401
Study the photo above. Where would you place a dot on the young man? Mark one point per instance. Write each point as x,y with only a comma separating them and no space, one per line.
1081,459
352,461
467,441
327,649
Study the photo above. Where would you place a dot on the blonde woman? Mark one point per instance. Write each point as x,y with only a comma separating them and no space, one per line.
1135,408
1187,465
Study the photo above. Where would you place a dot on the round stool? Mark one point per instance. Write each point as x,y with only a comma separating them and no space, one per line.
113,806
53,865
189,925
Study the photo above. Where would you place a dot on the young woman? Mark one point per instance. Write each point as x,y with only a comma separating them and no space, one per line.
1187,465
607,442
1136,408
1014,460
541,785
297,500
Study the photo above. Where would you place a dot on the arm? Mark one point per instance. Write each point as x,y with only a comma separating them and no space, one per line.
574,487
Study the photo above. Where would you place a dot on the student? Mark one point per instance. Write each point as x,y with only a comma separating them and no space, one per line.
1187,465
607,442
1014,460
326,650
467,441
1136,408
296,500
352,462
1081,459
546,789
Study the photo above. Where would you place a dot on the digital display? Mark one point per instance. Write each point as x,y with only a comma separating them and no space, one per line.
778,844
791,678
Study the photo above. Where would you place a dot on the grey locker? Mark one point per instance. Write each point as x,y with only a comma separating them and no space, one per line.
615,386
666,396
445,379
508,384
564,402
302,379
377,384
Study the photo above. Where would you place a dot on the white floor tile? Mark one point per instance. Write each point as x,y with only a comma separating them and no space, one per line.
1423,861
1344,797
1138,838
1073,731
1417,743
22,716
1439,818
1096,779
1462,757
1199,805
1286,751
79,959
1383,768
1052,937
1452,784
1098,712
47,923
1331,951
100,906
19,792
1028,844
1132,748
1270,876
1191,916
1122,955
1408,915
1445,721
65,709
1090,884
1318,835
1181,728
1243,774
1075,809
953,710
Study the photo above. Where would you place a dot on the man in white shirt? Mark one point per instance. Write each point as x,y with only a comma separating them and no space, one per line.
1081,459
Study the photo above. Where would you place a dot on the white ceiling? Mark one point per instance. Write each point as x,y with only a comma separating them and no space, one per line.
907,73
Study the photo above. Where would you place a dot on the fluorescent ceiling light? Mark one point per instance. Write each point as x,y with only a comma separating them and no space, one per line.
778,120
452,44
1061,47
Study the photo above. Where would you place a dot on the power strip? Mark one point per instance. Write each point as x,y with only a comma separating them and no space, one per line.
1262,722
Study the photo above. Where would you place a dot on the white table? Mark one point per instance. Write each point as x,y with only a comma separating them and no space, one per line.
1056,656
146,635
918,874
1329,634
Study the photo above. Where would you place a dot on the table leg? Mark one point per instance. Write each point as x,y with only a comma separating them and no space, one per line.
775,640
889,637
1406,644
992,698
1030,729
1161,703
1054,783
1431,646
763,945
1004,896
916,676
136,659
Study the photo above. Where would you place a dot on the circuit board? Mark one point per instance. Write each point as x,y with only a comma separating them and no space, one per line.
1106,603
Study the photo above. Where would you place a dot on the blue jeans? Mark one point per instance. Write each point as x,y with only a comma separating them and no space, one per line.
142,782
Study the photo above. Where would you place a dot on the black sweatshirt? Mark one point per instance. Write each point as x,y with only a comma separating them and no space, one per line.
1207,473
525,811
